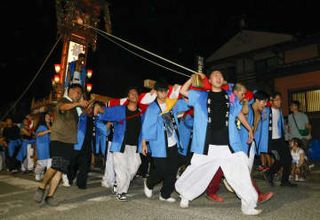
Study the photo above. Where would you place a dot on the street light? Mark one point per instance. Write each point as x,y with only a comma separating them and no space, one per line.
89,73
89,87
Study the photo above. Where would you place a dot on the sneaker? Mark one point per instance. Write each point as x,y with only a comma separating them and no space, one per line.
66,184
51,201
228,187
38,177
184,203
251,211
215,197
301,179
170,199
263,197
38,195
265,169
147,191
121,197
14,171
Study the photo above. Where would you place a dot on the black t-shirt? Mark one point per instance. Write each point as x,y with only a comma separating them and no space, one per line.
217,131
133,127
11,133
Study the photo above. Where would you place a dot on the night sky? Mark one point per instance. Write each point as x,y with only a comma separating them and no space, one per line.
174,29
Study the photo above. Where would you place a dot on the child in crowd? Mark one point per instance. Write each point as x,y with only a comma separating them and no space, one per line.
299,160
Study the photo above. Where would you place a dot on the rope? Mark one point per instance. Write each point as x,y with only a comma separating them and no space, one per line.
142,57
34,78
140,48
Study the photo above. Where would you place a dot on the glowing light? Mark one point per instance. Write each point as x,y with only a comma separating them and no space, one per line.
89,73
57,78
57,68
89,87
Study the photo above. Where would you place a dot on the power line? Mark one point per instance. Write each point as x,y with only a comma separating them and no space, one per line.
140,48
142,57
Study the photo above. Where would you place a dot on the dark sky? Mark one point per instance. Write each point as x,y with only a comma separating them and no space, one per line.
174,29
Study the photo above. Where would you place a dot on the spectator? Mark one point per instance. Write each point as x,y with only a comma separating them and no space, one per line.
11,133
299,125
299,168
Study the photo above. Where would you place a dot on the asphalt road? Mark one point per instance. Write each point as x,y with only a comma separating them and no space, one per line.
96,202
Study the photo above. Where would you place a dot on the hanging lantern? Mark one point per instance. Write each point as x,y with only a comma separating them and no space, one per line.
53,82
89,73
56,78
57,68
89,87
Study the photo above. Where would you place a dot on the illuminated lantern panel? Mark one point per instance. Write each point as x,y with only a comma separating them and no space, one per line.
89,73
57,68
89,87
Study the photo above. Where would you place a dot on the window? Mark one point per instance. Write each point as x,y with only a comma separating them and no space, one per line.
309,99
266,65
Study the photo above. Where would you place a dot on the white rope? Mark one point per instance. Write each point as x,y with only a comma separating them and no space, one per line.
142,57
33,79
137,47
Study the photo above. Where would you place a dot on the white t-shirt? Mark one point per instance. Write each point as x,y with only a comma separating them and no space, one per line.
76,77
275,119
296,155
171,139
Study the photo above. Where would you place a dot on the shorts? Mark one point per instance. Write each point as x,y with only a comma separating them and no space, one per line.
61,154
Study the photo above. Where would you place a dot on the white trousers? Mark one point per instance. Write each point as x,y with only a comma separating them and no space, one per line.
251,156
109,178
126,165
41,166
28,163
196,178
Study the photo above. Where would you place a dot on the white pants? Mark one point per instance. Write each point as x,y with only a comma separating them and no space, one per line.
109,178
41,166
126,165
196,178
28,163
251,156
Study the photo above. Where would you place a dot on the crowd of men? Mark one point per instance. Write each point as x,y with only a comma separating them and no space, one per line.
191,138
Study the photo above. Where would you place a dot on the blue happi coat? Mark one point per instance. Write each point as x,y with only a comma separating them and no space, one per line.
185,131
266,130
43,143
82,128
117,115
199,101
153,129
102,132
24,148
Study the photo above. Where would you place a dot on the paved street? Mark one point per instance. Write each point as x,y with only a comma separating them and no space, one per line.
97,202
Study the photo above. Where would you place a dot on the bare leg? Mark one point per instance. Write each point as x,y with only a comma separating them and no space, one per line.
54,183
47,177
